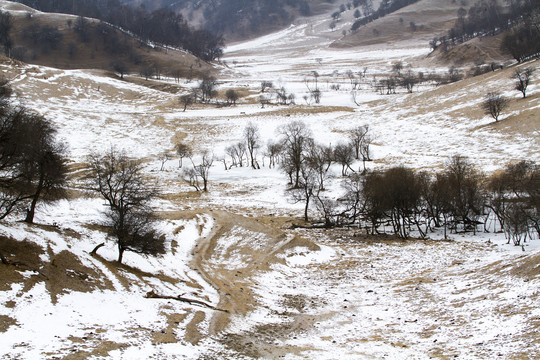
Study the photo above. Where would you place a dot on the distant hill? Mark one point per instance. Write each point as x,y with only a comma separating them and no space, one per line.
71,42
240,19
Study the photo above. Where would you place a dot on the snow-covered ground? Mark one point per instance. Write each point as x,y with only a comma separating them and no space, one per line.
338,297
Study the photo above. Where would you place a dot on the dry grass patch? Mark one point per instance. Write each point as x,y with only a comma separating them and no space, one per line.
303,110
6,322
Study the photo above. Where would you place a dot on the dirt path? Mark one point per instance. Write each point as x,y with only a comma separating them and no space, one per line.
237,248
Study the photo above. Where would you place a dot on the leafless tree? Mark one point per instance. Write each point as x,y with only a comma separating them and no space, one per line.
43,165
32,162
365,150
319,158
344,155
120,67
253,142
316,96
397,67
163,158
494,104
200,172
523,77
207,88
296,137
119,180
357,137
237,153
409,80
186,100
266,85
273,151
308,187
183,151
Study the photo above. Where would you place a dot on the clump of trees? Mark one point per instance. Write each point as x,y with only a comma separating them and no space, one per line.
514,197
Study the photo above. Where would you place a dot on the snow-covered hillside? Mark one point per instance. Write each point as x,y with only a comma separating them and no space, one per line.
262,287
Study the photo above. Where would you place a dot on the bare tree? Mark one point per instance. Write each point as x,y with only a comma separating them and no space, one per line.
253,142
309,185
357,137
273,151
43,167
296,137
319,158
32,162
316,96
183,151
207,88
344,155
494,104
163,158
120,67
200,172
266,85
119,180
523,78
186,100
237,153
409,80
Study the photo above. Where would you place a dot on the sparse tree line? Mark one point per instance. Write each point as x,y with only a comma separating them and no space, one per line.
398,199
33,170
487,18
206,92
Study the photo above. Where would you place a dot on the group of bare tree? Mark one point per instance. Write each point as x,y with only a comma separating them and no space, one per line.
33,170
495,103
206,92
459,198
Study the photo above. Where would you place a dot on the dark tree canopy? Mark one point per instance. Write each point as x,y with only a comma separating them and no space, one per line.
32,162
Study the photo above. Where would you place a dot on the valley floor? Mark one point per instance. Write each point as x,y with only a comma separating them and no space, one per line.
241,279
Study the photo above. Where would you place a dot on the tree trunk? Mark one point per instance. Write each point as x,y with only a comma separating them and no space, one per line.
30,212
306,209
120,253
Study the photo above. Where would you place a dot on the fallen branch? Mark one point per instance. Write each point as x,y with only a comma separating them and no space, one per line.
21,264
93,252
153,295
